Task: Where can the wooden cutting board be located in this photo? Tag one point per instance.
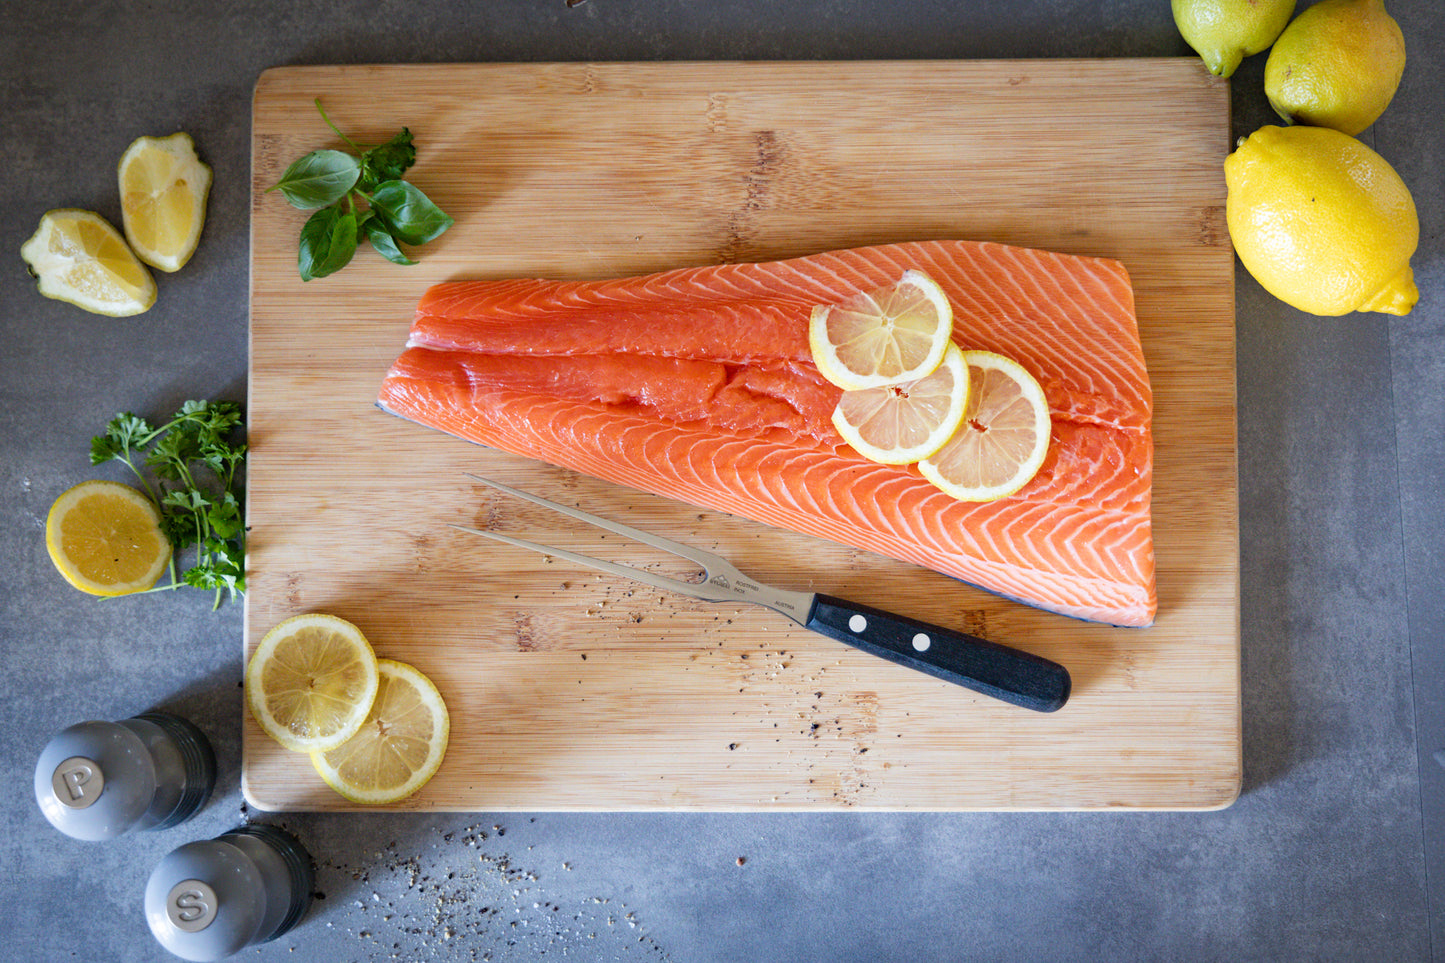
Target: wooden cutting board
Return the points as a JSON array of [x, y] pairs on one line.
[[573, 690]]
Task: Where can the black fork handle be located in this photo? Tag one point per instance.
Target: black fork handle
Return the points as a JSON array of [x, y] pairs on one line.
[[995, 670]]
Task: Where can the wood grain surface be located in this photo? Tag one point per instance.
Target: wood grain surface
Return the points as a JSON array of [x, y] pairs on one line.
[[573, 690]]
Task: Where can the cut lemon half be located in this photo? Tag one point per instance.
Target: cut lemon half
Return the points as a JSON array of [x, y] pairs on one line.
[[78, 257], [896, 333], [1004, 436], [399, 746], [900, 423], [311, 682], [106, 538], [163, 189]]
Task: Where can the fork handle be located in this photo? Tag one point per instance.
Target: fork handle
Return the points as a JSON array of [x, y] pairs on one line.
[[995, 670]]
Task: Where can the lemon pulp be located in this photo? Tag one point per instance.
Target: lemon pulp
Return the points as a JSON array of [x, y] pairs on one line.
[[78, 257], [900, 423], [894, 333], [311, 682], [398, 748], [1004, 437], [163, 191], [105, 538]]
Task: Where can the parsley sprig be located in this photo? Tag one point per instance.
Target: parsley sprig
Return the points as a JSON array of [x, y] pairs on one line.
[[197, 485], [336, 185]]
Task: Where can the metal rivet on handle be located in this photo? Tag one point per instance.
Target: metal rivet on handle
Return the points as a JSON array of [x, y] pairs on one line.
[[857, 623], [921, 642]]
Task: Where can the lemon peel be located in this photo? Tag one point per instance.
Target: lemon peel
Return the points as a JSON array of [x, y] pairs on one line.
[[1224, 32], [1322, 222]]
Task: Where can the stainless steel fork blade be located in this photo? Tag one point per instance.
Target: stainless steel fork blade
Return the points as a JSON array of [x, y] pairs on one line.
[[995, 670], [721, 582]]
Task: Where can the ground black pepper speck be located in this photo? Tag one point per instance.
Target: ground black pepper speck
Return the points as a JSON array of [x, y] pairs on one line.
[[461, 899]]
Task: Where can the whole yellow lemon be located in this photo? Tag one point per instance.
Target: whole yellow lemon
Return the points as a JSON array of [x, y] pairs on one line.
[[1337, 65], [1224, 32], [1322, 222]]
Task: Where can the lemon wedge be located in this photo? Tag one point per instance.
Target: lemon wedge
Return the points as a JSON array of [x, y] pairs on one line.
[[900, 423], [311, 682], [400, 745], [106, 538], [896, 333], [1004, 437], [78, 257], [163, 189]]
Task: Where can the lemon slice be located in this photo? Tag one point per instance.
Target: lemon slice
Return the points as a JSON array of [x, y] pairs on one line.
[[399, 746], [106, 538], [163, 188], [900, 423], [80, 258], [1004, 436], [896, 333], [311, 682]]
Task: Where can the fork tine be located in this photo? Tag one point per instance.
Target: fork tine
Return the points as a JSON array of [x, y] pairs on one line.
[[712, 564], [697, 590]]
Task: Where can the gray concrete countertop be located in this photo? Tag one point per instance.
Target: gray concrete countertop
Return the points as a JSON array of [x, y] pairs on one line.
[[1334, 851]]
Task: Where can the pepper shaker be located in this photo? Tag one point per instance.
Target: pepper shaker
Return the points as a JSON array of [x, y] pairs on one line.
[[97, 780], [207, 900]]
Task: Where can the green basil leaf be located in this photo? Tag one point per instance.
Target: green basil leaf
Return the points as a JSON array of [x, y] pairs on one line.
[[320, 178], [328, 239], [386, 162], [409, 215], [384, 243]]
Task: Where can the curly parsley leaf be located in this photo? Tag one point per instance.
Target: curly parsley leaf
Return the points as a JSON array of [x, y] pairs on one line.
[[387, 162]]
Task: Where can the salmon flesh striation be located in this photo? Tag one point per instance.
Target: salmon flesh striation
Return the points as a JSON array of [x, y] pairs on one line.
[[697, 384]]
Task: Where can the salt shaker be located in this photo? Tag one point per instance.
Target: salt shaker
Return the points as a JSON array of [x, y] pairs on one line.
[[207, 900], [97, 780]]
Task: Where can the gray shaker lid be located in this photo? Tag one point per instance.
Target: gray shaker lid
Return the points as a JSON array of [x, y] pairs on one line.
[[206, 900], [94, 780]]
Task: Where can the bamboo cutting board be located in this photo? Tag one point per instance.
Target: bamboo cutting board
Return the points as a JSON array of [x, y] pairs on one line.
[[573, 690]]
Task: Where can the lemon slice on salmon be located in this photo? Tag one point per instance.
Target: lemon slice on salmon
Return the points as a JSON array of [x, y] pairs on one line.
[[895, 333], [163, 189], [311, 682], [900, 423], [1004, 436], [106, 538], [78, 257], [400, 745]]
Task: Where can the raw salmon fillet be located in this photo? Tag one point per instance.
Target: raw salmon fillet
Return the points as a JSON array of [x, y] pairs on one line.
[[697, 384]]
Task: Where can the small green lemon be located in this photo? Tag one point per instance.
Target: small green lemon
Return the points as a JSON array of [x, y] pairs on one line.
[[1337, 65], [1322, 222], [1224, 32]]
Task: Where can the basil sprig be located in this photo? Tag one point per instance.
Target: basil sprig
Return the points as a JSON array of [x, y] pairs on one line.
[[357, 197]]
